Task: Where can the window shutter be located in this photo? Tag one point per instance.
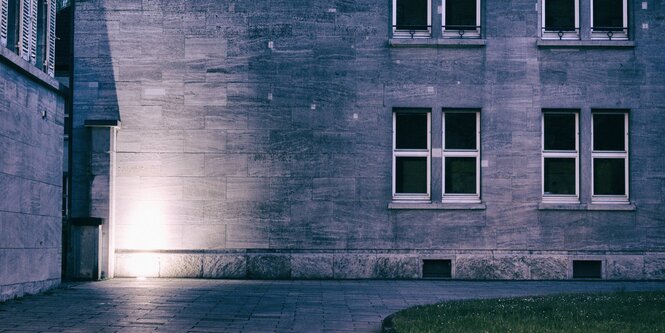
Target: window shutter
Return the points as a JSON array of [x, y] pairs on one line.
[[32, 43], [4, 10], [50, 41], [25, 30]]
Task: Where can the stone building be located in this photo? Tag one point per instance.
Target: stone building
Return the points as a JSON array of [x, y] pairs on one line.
[[32, 107], [471, 139]]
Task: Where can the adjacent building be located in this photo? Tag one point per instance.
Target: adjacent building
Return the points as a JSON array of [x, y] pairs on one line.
[[32, 105], [468, 139]]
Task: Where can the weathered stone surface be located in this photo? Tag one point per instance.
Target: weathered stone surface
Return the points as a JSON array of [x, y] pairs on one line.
[[174, 265], [654, 267], [625, 267], [268, 266], [312, 266], [224, 266], [491, 268], [396, 267], [548, 268], [354, 266]]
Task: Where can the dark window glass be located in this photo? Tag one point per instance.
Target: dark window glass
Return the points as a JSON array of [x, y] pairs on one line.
[[13, 24], [41, 33], [609, 176], [560, 15], [587, 269], [560, 131], [608, 15], [411, 14], [608, 132], [460, 130], [559, 176], [437, 268], [461, 14], [411, 131], [411, 175], [460, 175]]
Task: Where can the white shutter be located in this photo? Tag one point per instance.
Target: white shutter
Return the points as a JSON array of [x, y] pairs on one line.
[[50, 40], [32, 43], [25, 30], [4, 10]]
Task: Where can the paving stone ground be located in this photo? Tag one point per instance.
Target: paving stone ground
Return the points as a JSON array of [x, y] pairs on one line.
[[188, 305]]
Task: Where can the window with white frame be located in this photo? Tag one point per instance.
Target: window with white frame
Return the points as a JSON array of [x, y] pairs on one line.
[[560, 157], [461, 18], [610, 156], [27, 27], [461, 155], [609, 19], [560, 19], [412, 18], [411, 154]]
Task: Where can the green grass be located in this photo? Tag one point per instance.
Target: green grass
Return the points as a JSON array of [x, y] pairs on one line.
[[614, 312]]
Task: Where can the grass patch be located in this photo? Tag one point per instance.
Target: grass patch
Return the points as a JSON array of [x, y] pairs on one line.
[[614, 312]]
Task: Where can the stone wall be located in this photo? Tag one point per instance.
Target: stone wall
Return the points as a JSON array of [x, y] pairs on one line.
[[256, 140], [31, 152]]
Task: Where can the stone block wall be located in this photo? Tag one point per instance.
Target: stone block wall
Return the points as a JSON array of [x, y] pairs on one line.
[[31, 153], [256, 140]]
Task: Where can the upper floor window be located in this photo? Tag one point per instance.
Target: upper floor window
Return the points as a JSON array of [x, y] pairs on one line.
[[461, 18], [560, 157], [561, 19], [411, 154], [461, 155], [609, 19], [610, 156], [412, 18]]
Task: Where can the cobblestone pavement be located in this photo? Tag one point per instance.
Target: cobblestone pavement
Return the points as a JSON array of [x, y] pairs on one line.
[[186, 305]]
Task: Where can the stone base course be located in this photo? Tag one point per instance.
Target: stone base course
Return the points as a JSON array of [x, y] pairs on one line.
[[383, 265], [28, 288]]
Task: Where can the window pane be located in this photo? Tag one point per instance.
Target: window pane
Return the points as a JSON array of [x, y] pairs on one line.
[[411, 175], [559, 176], [607, 15], [608, 176], [411, 131], [560, 15], [460, 14], [608, 132], [559, 132], [461, 175], [411, 14], [460, 131]]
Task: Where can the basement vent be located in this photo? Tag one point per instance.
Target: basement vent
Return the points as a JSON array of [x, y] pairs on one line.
[[437, 269], [587, 269]]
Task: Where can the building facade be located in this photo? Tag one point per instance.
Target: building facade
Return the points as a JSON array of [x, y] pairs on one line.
[[468, 139], [32, 107]]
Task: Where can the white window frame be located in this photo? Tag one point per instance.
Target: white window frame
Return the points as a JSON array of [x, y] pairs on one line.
[[420, 197], [455, 33], [563, 35], [401, 33], [611, 199], [561, 198], [445, 153], [613, 35]]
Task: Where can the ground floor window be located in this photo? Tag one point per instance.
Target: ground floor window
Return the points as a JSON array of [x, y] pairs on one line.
[[411, 154], [560, 155], [610, 156], [461, 155]]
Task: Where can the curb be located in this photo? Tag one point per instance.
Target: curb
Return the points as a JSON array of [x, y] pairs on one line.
[[387, 325]]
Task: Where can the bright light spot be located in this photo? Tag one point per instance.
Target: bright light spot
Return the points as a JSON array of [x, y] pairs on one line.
[[147, 231], [142, 265]]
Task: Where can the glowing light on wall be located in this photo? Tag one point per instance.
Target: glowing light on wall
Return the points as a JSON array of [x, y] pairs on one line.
[[147, 231]]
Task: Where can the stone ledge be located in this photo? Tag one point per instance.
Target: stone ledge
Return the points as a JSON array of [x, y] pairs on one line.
[[31, 71], [437, 206], [554, 43], [436, 42], [628, 207]]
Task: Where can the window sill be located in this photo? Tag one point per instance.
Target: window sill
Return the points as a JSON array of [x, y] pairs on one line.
[[629, 207], [436, 42], [436, 206], [552, 43], [14, 60]]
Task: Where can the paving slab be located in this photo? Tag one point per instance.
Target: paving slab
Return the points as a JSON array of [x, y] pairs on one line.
[[191, 305]]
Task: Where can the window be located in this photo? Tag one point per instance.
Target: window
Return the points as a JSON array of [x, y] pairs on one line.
[[13, 12], [41, 33], [461, 156], [411, 154], [610, 156], [461, 18], [561, 19], [412, 18], [560, 159], [609, 19]]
